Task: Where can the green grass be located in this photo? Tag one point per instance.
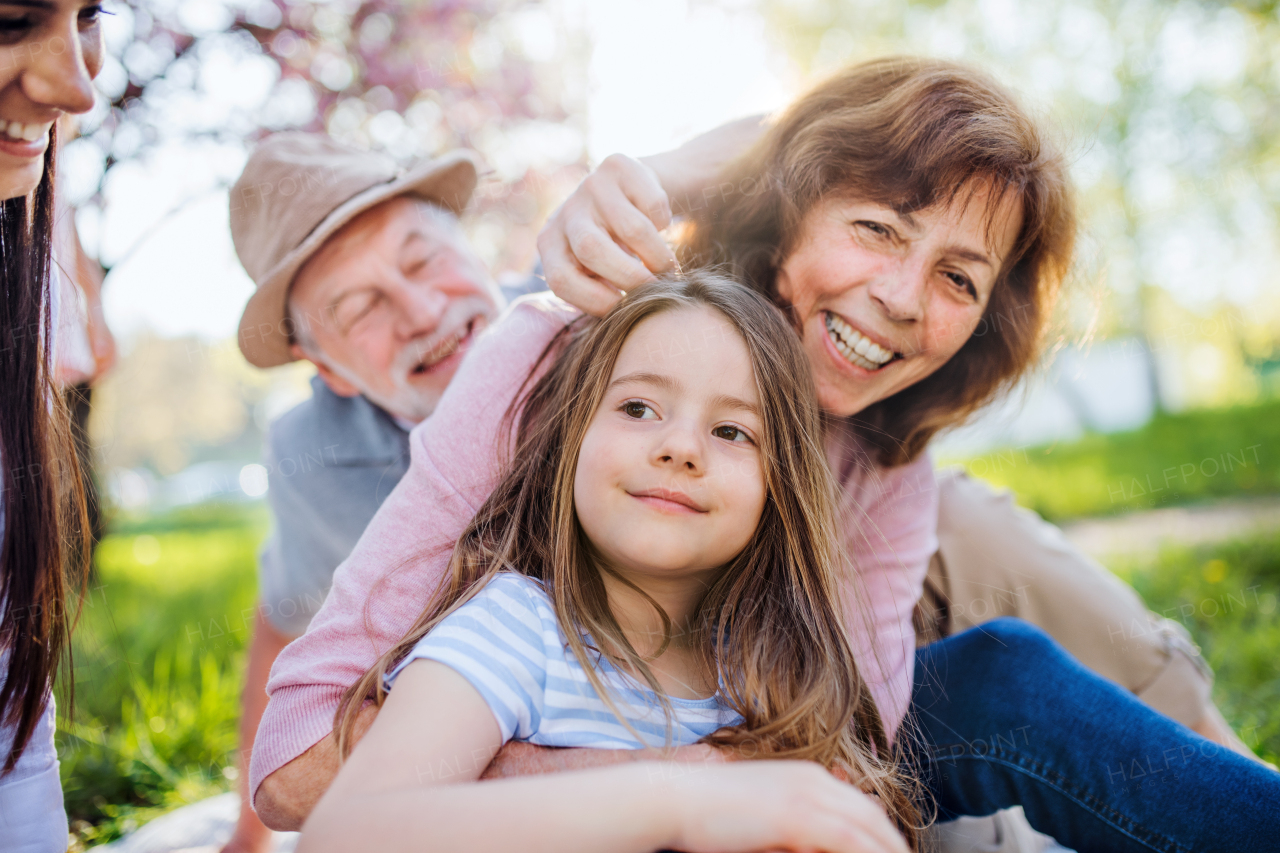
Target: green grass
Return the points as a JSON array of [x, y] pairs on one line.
[[160, 656], [159, 664], [1227, 597], [1175, 459]]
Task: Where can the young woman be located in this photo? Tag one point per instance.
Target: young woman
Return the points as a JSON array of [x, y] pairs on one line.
[[895, 207], [658, 566], [49, 53]]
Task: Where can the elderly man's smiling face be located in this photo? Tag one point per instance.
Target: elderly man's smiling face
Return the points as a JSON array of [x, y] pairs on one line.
[[389, 304]]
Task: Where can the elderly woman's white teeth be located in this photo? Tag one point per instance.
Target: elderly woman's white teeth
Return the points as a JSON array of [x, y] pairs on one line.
[[854, 346]]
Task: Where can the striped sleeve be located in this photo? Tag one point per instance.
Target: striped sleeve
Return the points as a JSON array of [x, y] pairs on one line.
[[496, 642]]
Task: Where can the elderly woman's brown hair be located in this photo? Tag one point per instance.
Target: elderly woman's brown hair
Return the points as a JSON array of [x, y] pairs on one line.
[[910, 134]]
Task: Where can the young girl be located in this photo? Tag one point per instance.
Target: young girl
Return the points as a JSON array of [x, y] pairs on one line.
[[657, 567]]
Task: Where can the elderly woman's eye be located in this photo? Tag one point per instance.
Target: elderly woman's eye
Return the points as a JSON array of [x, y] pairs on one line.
[[876, 228], [963, 283]]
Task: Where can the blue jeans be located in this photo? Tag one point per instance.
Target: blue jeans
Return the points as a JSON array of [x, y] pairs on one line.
[[1005, 716]]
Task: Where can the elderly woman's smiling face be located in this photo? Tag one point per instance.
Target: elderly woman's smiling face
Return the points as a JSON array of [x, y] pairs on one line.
[[885, 299]]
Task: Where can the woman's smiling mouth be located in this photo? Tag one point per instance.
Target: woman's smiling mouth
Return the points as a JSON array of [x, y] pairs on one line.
[[856, 348]]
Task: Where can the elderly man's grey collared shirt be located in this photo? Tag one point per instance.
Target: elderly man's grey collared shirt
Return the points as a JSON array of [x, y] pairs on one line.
[[331, 463]]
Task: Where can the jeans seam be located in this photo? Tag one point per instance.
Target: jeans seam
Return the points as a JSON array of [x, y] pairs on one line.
[[1100, 810]]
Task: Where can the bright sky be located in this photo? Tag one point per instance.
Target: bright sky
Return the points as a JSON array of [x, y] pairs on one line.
[[660, 73]]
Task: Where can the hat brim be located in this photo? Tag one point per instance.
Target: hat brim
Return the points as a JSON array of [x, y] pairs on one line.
[[264, 335]]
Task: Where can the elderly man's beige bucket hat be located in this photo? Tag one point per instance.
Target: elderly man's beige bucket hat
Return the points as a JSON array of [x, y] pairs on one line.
[[295, 192]]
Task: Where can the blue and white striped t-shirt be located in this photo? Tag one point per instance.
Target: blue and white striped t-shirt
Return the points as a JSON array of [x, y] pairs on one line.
[[507, 643]]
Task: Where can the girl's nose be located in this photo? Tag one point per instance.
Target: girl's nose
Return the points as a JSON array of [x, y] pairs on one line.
[[680, 447]]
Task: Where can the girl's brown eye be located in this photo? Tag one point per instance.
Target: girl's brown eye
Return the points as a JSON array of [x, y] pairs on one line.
[[730, 433], [635, 410]]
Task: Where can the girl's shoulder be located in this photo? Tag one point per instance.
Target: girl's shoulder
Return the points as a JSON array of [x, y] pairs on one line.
[[510, 617], [519, 588], [518, 598]]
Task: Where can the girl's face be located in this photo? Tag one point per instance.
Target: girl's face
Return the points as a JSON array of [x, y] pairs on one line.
[[50, 52], [885, 299], [669, 479]]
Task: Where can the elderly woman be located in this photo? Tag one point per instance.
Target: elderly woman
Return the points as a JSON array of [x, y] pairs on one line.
[[890, 210], [993, 559]]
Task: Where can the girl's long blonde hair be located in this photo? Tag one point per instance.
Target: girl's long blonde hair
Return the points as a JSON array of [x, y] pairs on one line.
[[770, 627]]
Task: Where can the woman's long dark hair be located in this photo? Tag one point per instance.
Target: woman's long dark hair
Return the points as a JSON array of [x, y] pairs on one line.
[[44, 550]]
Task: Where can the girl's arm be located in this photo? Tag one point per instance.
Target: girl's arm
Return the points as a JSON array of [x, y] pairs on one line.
[[410, 785]]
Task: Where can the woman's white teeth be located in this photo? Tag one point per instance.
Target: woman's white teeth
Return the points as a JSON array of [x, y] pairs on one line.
[[855, 346], [25, 132]]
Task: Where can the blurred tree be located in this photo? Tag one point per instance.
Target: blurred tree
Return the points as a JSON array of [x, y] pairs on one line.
[[1175, 143], [410, 78], [175, 401], [189, 85]]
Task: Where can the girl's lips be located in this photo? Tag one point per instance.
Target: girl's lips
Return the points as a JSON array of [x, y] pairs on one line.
[[664, 500]]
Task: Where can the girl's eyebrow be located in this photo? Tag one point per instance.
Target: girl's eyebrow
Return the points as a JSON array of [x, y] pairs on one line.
[[667, 383], [640, 377], [728, 401]]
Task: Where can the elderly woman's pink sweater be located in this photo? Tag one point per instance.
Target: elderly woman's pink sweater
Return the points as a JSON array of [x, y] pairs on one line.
[[889, 515]]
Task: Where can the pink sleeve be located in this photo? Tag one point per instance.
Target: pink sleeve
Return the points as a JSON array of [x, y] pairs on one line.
[[890, 518], [386, 582]]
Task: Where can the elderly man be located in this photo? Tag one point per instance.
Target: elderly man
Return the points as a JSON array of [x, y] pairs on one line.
[[363, 271]]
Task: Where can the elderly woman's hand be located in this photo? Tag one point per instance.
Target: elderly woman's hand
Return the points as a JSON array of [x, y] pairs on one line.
[[605, 238]]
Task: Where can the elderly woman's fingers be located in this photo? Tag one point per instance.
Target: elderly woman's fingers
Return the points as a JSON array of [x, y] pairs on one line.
[[569, 281], [606, 236], [644, 210], [634, 231], [599, 254]]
